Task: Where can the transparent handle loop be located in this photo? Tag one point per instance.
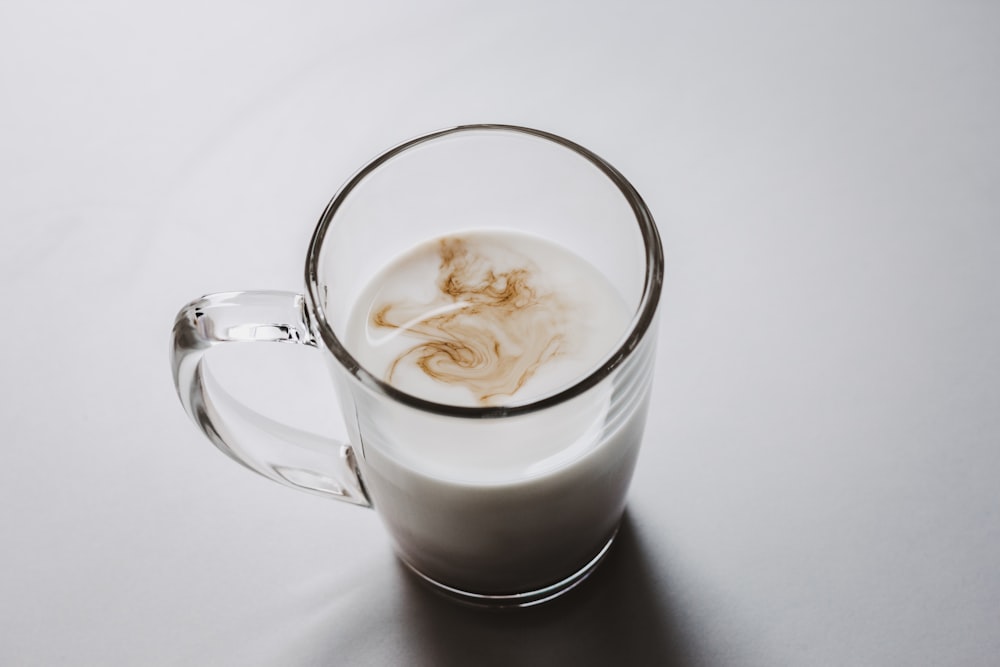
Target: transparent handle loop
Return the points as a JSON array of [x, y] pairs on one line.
[[282, 453]]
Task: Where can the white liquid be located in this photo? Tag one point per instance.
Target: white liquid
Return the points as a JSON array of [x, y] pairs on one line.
[[522, 318], [509, 504]]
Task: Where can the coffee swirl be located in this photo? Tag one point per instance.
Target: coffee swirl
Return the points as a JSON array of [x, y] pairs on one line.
[[489, 328]]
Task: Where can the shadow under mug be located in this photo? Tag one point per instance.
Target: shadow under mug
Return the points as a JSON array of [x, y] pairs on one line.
[[488, 534]]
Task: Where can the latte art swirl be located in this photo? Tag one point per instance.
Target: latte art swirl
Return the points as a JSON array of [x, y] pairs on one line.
[[485, 318], [488, 329]]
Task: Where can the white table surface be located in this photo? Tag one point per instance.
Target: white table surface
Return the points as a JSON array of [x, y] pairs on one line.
[[820, 479]]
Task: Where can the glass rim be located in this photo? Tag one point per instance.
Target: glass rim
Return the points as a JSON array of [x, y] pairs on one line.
[[638, 326]]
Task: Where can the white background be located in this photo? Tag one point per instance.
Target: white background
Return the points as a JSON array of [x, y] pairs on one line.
[[820, 481]]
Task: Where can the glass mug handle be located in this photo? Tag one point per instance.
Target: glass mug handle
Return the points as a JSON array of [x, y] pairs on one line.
[[282, 453]]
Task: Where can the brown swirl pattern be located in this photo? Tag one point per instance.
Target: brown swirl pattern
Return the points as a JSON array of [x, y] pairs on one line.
[[489, 328]]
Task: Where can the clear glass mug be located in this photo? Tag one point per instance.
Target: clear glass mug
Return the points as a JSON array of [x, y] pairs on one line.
[[475, 524]]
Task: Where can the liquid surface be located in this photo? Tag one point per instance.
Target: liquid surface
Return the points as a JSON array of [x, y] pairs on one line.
[[485, 318]]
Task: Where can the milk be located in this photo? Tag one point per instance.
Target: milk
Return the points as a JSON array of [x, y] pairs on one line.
[[489, 318], [486, 318]]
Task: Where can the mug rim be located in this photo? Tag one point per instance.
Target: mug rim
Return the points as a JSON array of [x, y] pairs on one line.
[[638, 326]]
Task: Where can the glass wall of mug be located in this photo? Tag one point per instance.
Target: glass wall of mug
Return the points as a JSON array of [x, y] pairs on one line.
[[510, 495]]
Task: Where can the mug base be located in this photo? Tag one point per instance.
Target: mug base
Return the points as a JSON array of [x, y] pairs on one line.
[[515, 600]]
